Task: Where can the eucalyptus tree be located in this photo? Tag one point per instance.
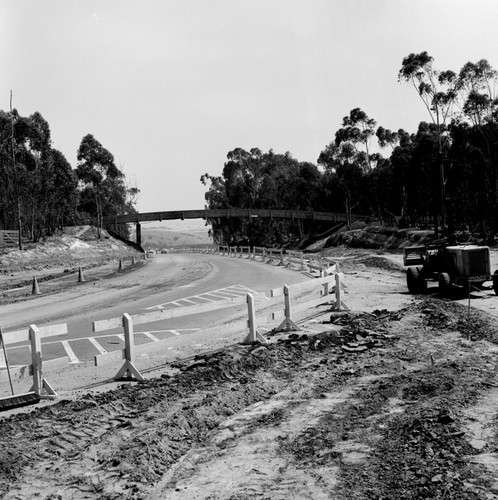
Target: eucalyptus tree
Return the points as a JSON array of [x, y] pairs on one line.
[[438, 91], [101, 180], [25, 142], [351, 160], [357, 130], [348, 168], [256, 180], [477, 84]]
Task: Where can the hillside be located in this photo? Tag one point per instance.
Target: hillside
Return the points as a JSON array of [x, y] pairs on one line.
[[174, 234], [61, 254]]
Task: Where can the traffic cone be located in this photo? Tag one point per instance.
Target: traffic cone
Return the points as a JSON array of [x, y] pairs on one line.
[[120, 268], [35, 290], [81, 279]]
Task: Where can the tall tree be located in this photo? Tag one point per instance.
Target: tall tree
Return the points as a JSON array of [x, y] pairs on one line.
[[253, 179], [348, 169], [357, 130], [101, 179], [438, 92]]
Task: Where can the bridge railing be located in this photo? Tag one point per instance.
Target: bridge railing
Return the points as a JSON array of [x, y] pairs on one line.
[[227, 213]]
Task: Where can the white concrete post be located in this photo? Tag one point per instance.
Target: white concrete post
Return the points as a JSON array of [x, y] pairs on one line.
[[36, 359], [129, 364], [39, 383], [287, 323], [254, 335], [337, 292]]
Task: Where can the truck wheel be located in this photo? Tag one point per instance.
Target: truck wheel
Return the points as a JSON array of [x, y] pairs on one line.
[[444, 283], [495, 282], [414, 281]]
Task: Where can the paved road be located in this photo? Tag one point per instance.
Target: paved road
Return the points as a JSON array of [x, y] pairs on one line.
[[167, 281]]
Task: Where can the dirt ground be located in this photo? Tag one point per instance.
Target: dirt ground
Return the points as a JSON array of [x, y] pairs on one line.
[[394, 399]]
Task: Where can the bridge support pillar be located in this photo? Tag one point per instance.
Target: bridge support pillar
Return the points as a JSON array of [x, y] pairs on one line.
[[138, 233]]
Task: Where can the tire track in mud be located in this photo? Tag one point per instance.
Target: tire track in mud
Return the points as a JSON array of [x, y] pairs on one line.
[[132, 435], [299, 418]]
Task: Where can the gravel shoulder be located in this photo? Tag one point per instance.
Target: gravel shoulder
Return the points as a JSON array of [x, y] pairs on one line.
[[395, 398]]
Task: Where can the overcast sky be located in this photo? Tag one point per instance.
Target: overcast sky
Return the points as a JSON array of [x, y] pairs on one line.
[[170, 86]]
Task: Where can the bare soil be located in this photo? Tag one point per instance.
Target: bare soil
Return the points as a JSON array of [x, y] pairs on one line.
[[394, 399]]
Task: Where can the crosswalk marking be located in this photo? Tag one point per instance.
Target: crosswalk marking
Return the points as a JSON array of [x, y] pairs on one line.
[[189, 301], [150, 336], [73, 358], [69, 351], [206, 298], [97, 346], [220, 294], [224, 295]]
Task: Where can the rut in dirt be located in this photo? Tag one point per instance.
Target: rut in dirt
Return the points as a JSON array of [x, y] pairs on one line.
[[400, 431]]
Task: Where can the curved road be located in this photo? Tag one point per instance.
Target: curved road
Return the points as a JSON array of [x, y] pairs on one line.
[[172, 280]]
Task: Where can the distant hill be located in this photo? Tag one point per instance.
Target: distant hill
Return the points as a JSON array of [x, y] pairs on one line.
[[174, 234]]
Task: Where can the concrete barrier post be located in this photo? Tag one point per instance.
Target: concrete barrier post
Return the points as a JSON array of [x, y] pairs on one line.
[[303, 266], [129, 370], [339, 304], [337, 292], [40, 386], [287, 324], [254, 335], [35, 290], [36, 358]]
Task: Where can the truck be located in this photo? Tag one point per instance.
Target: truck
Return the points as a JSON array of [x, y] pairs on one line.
[[464, 265]]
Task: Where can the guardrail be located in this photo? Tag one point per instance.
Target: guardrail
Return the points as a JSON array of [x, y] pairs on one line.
[[41, 387], [279, 309], [304, 262]]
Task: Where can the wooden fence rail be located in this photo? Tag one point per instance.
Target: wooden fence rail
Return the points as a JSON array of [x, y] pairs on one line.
[[259, 310], [247, 314], [9, 238]]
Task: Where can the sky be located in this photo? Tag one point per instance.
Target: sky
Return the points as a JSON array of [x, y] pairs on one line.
[[169, 87]]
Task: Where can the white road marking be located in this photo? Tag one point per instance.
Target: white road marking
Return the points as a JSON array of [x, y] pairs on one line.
[[66, 344], [226, 295], [189, 301], [97, 345], [150, 336], [220, 294], [69, 351], [203, 297], [177, 330]]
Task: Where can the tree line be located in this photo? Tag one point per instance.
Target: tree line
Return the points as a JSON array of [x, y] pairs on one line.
[[444, 175], [39, 190]]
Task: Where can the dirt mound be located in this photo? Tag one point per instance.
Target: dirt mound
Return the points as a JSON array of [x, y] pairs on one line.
[[77, 245], [379, 237]]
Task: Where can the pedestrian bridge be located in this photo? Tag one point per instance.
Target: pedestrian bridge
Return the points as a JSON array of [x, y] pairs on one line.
[[227, 213]]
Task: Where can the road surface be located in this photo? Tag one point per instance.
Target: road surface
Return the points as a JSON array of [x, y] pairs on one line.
[[173, 280]]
